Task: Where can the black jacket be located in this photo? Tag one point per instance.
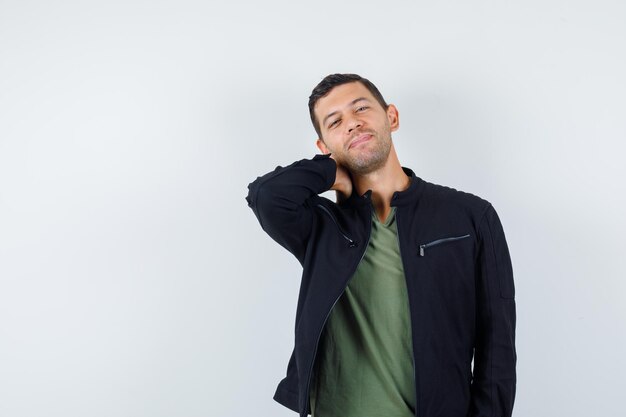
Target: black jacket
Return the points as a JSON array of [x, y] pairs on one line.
[[458, 275]]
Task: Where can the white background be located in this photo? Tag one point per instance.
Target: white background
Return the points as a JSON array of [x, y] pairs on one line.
[[134, 279]]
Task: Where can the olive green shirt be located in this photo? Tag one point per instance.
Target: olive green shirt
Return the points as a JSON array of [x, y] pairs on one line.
[[364, 364]]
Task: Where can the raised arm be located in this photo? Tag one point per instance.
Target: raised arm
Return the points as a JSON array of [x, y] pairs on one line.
[[494, 379], [279, 200]]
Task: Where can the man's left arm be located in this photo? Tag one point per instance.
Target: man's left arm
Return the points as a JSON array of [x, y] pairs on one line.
[[494, 376]]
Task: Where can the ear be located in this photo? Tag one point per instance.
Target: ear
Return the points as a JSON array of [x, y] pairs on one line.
[[394, 117], [321, 146]]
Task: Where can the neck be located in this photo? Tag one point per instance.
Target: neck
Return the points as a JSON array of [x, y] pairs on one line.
[[383, 183]]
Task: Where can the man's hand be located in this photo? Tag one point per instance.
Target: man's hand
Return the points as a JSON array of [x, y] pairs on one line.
[[343, 182]]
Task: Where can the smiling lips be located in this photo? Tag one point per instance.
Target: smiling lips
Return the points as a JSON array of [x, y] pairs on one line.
[[360, 139]]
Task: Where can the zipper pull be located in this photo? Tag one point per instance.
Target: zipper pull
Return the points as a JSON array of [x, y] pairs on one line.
[[422, 250]]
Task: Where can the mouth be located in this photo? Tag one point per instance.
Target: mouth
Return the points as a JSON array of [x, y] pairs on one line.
[[360, 139]]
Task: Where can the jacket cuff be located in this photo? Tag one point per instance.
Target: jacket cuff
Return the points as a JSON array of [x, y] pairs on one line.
[[329, 167]]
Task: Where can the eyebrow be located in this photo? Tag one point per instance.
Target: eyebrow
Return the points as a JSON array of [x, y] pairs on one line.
[[353, 102]]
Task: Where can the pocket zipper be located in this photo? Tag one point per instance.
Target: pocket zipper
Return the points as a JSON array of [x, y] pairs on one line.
[[345, 236], [439, 241]]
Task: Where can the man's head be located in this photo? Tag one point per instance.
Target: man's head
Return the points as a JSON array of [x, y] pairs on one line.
[[353, 122], [333, 80]]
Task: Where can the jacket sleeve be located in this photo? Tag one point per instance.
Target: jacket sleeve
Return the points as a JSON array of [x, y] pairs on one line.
[[494, 376], [279, 200]]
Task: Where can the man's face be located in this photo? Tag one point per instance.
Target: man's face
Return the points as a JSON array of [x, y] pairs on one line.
[[355, 128]]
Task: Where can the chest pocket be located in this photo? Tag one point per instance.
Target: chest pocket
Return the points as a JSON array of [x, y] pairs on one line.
[[449, 260], [443, 241]]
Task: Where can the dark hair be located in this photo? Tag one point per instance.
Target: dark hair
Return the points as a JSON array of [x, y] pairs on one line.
[[333, 80]]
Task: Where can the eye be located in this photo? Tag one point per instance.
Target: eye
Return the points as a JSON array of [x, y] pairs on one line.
[[362, 108], [334, 123]]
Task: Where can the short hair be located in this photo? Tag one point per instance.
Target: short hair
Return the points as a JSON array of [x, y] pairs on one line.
[[333, 80]]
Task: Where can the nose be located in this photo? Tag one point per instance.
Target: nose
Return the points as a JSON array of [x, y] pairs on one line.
[[353, 123]]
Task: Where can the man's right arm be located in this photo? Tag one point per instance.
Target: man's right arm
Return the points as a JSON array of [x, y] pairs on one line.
[[279, 200]]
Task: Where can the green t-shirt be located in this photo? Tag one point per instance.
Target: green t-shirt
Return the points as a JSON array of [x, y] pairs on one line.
[[364, 364]]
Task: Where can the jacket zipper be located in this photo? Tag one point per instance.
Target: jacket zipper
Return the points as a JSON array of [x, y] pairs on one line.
[[345, 236], [352, 244], [440, 241], [410, 316]]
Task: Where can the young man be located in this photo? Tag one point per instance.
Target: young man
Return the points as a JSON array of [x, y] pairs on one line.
[[404, 282]]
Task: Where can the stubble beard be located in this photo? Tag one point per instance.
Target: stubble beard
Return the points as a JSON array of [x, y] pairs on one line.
[[372, 158]]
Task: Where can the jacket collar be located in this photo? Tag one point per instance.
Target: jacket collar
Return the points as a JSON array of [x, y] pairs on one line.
[[399, 198]]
